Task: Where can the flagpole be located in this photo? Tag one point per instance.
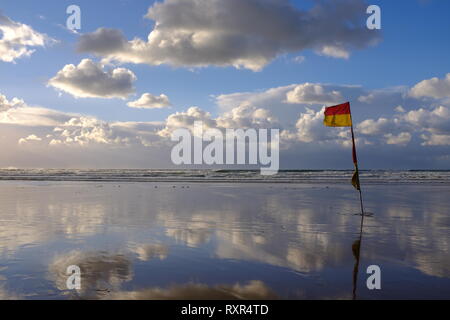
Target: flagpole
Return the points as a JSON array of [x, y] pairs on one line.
[[355, 161], [341, 116], [358, 253]]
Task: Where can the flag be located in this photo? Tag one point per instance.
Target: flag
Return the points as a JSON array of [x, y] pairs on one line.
[[341, 116], [338, 116], [355, 180]]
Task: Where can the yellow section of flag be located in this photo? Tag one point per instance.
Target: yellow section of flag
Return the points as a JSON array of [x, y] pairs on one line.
[[338, 120]]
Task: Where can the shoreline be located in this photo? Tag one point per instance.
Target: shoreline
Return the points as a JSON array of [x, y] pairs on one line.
[[231, 181]]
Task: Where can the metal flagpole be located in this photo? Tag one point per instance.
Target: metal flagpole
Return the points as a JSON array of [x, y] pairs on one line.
[[357, 245], [355, 162]]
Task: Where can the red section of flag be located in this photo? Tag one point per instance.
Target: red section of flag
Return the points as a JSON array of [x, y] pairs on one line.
[[339, 109]]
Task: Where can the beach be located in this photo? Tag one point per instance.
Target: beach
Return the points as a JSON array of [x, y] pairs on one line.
[[222, 240]]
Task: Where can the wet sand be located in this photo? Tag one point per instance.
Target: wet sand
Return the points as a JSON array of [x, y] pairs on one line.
[[221, 241]]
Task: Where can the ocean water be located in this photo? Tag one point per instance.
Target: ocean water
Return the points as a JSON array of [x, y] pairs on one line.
[[285, 176]]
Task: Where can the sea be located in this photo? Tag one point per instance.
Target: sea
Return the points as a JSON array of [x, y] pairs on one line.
[[241, 176]]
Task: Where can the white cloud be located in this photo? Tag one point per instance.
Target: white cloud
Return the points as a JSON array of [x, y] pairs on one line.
[[31, 137], [55, 142], [436, 139], [17, 112], [299, 59], [310, 126], [311, 93], [374, 127], [435, 123], [90, 80], [431, 125], [335, 52], [86, 131], [394, 126], [17, 39], [6, 105], [434, 88], [367, 99], [276, 102], [400, 109], [186, 120], [421, 131], [149, 101], [196, 33], [436, 120], [401, 139], [247, 116], [68, 129]]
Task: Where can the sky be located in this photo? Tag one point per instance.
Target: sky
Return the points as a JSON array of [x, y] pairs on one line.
[[110, 94]]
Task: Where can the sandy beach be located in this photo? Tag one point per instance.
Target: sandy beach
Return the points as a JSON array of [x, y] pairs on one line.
[[142, 240]]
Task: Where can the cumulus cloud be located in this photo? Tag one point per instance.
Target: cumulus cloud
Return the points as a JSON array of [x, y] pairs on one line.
[[299, 59], [247, 116], [433, 139], [400, 109], [431, 125], [31, 137], [334, 51], [243, 116], [434, 88], [6, 105], [401, 139], [311, 93], [86, 131], [69, 129], [379, 119], [308, 125], [275, 100], [435, 124], [102, 42], [90, 80], [196, 33], [310, 128], [17, 39], [436, 120], [149, 101], [379, 122], [17, 112], [374, 127], [186, 120]]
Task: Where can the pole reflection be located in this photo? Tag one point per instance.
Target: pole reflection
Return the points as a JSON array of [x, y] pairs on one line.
[[356, 249]]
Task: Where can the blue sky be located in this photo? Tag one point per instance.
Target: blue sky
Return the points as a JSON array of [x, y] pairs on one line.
[[414, 46]]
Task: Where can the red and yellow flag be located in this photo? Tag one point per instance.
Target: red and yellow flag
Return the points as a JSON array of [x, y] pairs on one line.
[[338, 116], [341, 116]]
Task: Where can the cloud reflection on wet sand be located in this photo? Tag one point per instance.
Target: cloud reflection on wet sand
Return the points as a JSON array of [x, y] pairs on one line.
[[170, 242]]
